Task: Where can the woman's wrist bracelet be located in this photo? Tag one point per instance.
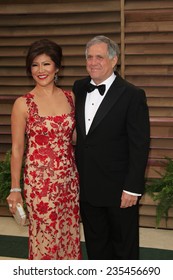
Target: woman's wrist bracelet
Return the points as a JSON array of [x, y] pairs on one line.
[[15, 190]]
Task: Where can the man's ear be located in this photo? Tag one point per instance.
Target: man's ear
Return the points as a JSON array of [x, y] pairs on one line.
[[114, 61]]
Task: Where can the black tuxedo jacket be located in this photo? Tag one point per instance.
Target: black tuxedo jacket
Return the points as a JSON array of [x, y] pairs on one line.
[[113, 155]]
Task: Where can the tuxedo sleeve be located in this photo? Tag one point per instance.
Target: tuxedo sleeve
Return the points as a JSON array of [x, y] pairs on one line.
[[138, 129]]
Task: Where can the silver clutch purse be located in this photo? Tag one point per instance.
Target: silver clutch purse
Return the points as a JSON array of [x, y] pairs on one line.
[[20, 215]]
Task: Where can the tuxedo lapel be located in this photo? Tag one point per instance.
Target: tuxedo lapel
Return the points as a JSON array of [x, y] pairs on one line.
[[108, 102]]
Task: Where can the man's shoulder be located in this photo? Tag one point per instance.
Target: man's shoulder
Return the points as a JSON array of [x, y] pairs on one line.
[[80, 85], [131, 87], [82, 81]]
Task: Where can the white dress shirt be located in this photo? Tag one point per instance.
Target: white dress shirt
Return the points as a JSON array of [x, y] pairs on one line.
[[92, 103]]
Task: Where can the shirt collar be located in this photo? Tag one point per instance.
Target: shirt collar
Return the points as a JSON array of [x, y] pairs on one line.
[[107, 82]]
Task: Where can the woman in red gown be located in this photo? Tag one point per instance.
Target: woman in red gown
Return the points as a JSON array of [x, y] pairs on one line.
[[51, 186]]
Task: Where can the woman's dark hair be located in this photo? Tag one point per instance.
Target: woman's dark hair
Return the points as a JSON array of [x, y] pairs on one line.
[[43, 46]]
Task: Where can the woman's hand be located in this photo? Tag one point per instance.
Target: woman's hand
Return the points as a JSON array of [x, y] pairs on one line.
[[13, 199]]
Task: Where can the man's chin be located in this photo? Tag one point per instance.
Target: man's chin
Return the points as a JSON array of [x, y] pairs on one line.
[[94, 76]]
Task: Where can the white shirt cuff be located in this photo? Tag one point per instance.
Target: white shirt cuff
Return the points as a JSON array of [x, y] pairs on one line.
[[138, 194]]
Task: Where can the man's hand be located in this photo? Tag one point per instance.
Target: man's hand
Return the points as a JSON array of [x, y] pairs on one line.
[[128, 200]]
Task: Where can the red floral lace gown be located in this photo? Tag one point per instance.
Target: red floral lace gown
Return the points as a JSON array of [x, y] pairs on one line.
[[51, 186]]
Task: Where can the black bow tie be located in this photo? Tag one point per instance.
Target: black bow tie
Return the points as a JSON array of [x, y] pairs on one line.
[[101, 88]]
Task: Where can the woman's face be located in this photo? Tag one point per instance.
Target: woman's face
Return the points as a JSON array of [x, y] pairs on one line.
[[43, 70]]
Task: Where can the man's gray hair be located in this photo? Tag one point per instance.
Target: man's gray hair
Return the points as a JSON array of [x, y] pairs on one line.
[[113, 48]]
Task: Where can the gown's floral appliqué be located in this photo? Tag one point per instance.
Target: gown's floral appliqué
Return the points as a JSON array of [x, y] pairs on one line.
[[51, 185]]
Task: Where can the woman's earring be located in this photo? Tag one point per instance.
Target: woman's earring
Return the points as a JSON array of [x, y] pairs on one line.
[[56, 78]]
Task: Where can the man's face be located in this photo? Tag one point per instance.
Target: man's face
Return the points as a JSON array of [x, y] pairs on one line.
[[98, 64]]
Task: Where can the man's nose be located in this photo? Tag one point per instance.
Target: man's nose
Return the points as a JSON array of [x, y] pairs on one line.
[[93, 61]]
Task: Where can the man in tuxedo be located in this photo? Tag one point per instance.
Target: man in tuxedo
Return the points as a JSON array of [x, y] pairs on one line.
[[113, 136]]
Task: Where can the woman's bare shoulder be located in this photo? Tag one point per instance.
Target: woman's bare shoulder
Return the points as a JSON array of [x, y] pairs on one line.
[[20, 104]]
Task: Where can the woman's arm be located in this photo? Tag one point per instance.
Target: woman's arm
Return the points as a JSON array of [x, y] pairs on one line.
[[18, 125]]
